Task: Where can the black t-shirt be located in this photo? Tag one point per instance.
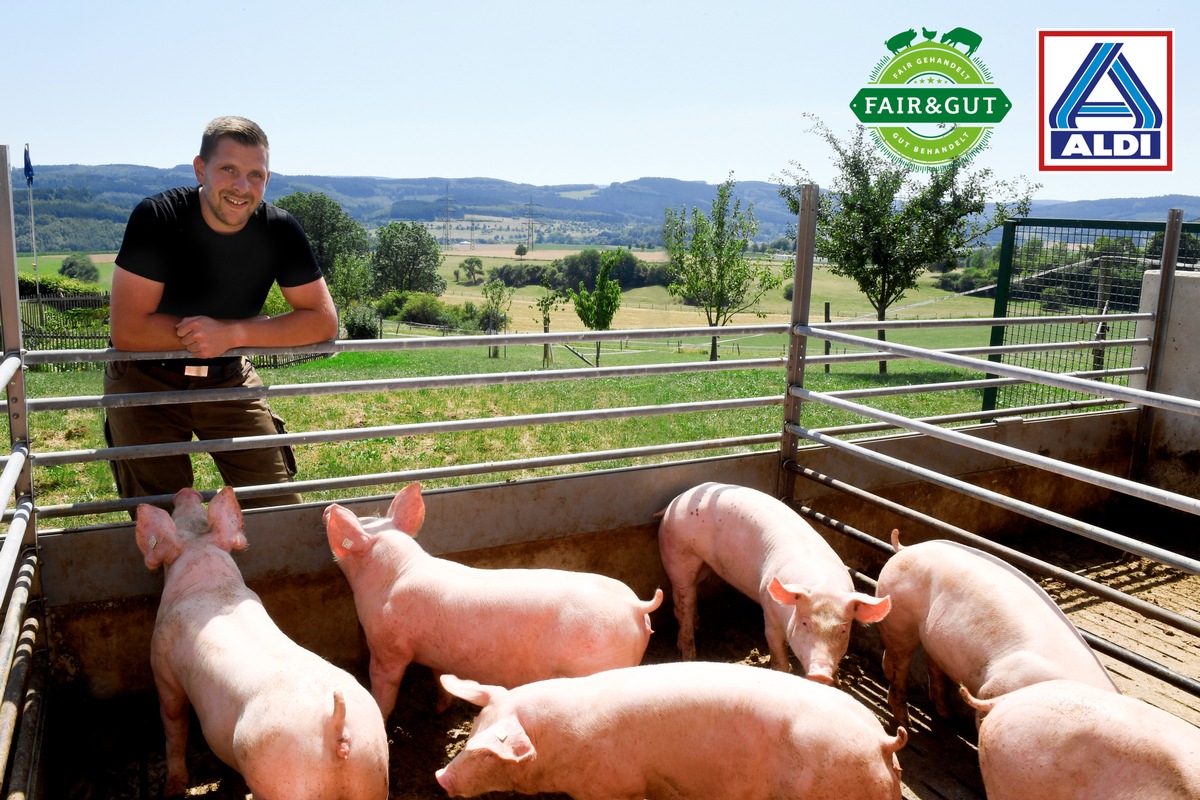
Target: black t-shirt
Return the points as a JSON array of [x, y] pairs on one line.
[[219, 275]]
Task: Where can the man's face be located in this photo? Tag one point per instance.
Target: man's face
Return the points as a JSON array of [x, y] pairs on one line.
[[232, 184]]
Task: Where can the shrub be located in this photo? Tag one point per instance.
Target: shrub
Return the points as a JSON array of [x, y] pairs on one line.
[[390, 303], [422, 308], [361, 322]]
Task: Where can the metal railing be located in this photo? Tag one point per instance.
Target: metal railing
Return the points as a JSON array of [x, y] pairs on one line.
[[18, 562]]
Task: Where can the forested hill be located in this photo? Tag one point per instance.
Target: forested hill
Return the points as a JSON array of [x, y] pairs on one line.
[[84, 208]]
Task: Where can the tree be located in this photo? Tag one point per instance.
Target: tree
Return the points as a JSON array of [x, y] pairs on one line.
[[521, 250], [407, 259], [882, 227], [473, 266], [498, 299], [550, 300], [350, 281], [333, 234], [709, 260], [596, 309], [81, 268]]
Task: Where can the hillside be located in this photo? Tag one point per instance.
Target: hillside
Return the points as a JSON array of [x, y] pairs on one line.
[[84, 208]]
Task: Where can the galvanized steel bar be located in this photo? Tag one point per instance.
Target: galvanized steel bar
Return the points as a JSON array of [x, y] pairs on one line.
[[1129, 395], [11, 635], [806, 246], [335, 346], [25, 771], [966, 322], [1062, 521], [9, 368], [14, 540], [1179, 681], [970, 416], [1102, 479], [11, 476], [412, 429], [956, 386], [392, 384], [1011, 555], [433, 473], [10, 326]]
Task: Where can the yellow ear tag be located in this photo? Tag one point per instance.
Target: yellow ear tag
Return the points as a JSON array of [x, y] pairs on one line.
[[347, 544]]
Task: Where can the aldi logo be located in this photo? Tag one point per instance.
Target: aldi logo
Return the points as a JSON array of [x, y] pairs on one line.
[[1105, 100]]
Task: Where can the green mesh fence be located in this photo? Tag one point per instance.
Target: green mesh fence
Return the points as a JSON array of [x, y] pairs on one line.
[[1052, 267]]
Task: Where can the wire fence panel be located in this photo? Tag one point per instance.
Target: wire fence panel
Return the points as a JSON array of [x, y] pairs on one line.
[[1055, 267]]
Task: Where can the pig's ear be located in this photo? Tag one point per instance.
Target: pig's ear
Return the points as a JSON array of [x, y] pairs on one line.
[[344, 531], [507, 739], [870, 609], [225, 520], [407, 511], [156, 536], [790, 594], [471, 691]]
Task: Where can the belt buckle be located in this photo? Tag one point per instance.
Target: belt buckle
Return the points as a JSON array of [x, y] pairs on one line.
[[196, 370]]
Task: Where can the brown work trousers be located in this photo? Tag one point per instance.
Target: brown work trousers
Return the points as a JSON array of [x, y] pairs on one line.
[[178, 422]]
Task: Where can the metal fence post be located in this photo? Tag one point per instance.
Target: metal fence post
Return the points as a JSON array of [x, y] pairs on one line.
[[806, 239]]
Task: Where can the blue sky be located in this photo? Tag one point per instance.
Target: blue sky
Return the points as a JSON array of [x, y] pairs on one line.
[[528, 91]]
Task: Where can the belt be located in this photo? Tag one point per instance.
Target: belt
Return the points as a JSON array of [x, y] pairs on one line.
[[222, 368]]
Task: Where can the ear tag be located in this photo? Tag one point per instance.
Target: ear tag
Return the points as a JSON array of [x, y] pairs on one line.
[[153, 542], [502, 736], [347, 544]]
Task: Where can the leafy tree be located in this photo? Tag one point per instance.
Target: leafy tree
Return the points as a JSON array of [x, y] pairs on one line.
[[407, 258], [333, 234], [79, 267], [351, 281], [473, 266], [498, 299], [550, 300], [710, 263], [882, 227], [521, 250], [596, 309]]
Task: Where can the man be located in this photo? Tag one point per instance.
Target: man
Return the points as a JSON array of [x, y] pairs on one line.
[[193, 271]]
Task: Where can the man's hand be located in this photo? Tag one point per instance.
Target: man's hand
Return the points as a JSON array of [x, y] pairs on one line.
[[205, 337]]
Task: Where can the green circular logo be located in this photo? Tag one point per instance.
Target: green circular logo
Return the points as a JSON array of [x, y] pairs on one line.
[[930, 103]]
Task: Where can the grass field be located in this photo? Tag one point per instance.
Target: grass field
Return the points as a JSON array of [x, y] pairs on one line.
[[649, 307]]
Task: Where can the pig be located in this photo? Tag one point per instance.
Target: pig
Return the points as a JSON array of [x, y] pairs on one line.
[[684, 729], [501, 626], [769, 553], [294, 725], [900, 40], [981, 622], [1062, 739]]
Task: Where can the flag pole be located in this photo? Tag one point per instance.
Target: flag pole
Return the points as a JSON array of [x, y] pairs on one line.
[[37, 285]]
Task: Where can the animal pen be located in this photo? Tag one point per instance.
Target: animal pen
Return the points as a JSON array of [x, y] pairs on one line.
[[1089, 486]]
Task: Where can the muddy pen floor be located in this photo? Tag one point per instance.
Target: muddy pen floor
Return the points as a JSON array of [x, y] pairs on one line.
[[102, 751]]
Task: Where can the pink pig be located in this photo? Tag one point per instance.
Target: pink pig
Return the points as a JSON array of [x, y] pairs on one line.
[[981, 622], [1062, 739], [769, 553], [686, 729], [291, 723], [504, 626]]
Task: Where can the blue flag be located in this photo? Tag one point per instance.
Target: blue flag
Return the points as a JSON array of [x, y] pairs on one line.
[[28, 167]]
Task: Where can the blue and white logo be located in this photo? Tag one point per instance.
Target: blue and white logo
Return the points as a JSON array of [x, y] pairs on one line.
[[1106, 100]]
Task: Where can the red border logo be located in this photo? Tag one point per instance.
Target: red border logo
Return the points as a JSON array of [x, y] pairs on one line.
[[1106, 100]]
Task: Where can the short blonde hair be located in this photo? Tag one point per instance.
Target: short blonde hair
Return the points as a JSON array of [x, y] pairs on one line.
[[239, 129]]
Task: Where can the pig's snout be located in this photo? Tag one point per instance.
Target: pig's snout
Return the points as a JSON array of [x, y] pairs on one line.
[[820, 675], [445, 781]]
